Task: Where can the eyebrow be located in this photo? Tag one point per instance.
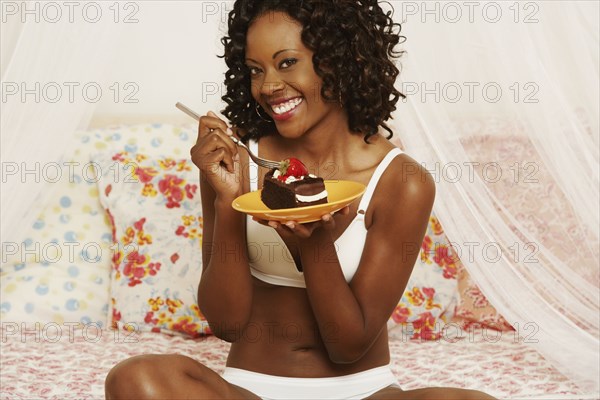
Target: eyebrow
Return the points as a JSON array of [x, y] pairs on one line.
[[274, 55]]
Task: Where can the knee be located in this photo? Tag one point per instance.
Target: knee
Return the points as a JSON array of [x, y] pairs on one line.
[[473, 395], [446, 393], [136, 377]]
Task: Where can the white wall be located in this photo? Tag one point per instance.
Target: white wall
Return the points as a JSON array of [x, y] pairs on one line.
[[169, 55]]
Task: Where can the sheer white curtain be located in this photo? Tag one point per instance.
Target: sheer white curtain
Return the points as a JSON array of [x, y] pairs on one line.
[[519, 84], [51, 69], [503, 110]]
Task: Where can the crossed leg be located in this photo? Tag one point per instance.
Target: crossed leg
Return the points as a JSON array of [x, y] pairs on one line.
[[180, 377], [440, 393], [168, 377]]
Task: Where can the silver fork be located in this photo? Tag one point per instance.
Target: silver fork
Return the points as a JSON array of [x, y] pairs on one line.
[[269, 164]]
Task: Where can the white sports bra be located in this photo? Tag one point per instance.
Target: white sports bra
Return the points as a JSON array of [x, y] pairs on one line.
[[271, 261]]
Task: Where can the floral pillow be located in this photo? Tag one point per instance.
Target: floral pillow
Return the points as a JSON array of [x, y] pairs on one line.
[[154, 208], [430, 297], [474, 311], [155, 212]]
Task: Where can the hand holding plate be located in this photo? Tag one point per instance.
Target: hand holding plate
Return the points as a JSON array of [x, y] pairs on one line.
[[304, 230]]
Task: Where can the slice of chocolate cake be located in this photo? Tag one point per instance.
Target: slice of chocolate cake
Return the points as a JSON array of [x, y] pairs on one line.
[[292, 186], [306, 191]]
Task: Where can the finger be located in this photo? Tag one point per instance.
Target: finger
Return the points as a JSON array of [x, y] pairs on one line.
[[213, 161], [219, 139], [282, 227], [227, 129], [210, 122], [261, 221], [214, 141], [342, 211], [225, 158], [209, 148], [274, 224], [213, 121], [297, 229], [328, 222], [291, 225]]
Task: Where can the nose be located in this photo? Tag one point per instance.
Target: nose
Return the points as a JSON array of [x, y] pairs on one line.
[[271, 84]]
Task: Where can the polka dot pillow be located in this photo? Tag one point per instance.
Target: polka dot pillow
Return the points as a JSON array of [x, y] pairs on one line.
[[61, 272], [155, 212]]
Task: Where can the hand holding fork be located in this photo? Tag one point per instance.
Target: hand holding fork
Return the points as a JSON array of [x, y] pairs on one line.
[[258, 160]]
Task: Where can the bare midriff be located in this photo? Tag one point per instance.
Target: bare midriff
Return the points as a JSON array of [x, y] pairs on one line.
[[282, 338]]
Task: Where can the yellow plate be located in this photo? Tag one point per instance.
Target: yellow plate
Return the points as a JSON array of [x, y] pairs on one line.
[[339, 193]]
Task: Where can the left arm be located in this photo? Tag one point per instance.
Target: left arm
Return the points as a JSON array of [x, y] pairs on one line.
[[361, 308]]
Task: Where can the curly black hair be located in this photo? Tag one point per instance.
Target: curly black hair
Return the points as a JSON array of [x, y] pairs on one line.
[[335, 31]]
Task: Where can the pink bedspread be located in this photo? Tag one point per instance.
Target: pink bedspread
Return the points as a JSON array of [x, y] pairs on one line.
[[75, 365]]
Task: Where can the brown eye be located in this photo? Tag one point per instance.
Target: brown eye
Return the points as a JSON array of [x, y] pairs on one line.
[[254, 71], [288, 62]]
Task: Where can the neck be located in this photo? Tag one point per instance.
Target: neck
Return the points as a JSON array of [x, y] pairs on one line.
[[327, 141]]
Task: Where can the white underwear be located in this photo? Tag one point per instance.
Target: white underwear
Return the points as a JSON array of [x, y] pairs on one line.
[[271, 387]]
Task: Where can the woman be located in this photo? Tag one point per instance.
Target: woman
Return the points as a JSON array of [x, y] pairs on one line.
[[306, 309]]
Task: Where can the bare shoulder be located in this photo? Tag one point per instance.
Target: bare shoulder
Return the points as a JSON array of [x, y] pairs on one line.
[[402, 203], [407, 182], [407, 177], [404, 177]]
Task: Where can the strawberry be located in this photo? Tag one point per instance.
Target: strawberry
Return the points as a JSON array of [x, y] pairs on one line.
[[291, 167]]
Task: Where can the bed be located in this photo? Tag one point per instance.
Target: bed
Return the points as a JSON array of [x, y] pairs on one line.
[[74, 367], [96, 280]]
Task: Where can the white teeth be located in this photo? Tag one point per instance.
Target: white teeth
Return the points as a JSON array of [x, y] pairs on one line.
[[287, 106]]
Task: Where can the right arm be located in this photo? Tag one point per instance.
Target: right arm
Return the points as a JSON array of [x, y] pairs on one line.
[[225, 289]]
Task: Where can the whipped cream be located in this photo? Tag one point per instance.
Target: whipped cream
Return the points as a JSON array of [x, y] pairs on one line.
[[291, 179], [314, 197]]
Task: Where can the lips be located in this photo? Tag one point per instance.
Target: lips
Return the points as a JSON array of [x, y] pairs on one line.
[[284, 109]]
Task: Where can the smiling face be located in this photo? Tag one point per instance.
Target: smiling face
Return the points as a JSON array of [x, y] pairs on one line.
[[283, 78]]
